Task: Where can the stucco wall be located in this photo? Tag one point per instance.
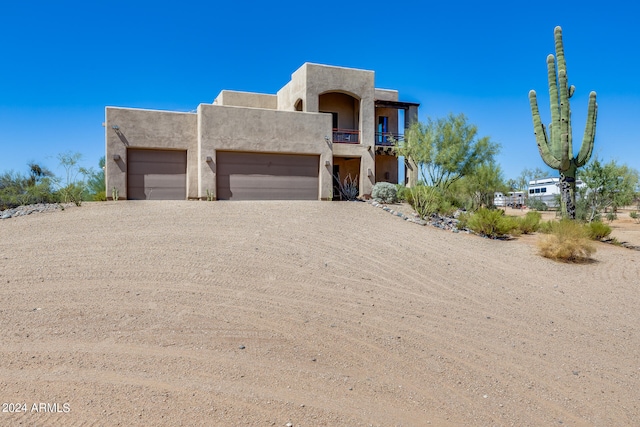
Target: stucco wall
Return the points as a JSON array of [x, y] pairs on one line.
[[246, 99], [294, 90], [386, 94], [138, 128], [387, 165], [322, 79], [257, 130], [392, 124], [347, 107]]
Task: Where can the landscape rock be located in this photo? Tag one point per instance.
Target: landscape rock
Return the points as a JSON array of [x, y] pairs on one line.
[[29, 209]]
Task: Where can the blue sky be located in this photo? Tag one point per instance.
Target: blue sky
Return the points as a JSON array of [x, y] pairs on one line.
[[64, 61]]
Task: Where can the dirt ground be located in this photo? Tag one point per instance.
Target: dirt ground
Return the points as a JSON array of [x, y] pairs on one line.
[[307, 313]]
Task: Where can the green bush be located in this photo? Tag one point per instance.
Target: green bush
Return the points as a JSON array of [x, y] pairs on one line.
[[537, 204], [100, 196], [446, 208], [597, 230], [17, 189], [403, 194], [492, 223], [546, 227], [529, 223], [634, 215], [72, 193], [427, 201], [384, 192], [567, 241]]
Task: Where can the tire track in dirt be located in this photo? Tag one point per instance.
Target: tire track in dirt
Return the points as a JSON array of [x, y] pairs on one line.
[[338, 283]]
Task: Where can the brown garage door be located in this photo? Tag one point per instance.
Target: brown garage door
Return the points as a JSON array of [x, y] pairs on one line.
[[156, 175], [259, 176]]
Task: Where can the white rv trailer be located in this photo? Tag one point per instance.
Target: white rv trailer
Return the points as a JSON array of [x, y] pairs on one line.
[[548, 190], [512, 198]]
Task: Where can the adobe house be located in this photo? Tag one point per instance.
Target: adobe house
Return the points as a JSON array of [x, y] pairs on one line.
[[326, 122]]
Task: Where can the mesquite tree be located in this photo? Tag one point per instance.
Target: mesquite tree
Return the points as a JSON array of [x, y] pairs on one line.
[[556, 148]]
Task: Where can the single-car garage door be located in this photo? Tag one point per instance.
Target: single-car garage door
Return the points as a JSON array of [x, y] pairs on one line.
[[156, 175], [260, 176]]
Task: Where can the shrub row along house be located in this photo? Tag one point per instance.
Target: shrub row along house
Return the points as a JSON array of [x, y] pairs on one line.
[[327, 122]]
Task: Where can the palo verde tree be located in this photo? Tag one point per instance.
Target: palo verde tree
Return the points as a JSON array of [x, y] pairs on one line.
[[556, 148], [607, 186], [446, 149]]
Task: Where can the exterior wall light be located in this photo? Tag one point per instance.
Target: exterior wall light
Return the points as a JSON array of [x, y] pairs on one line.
[[116, 157], [115, 127], [209, 159]]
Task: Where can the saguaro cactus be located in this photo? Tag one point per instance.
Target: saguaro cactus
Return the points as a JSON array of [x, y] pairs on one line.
[[556, 148]]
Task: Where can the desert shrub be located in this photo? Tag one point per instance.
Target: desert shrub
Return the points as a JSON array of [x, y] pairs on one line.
[[611, 216], [492, 223], [425, 200], [72, 193], [463, 220], [597, 230], [529, 223], [17, 189], [402, 193], [100, 196], [446, 208], [546, 227], [348, 188], [567, 241], [634, 215], [384, 192], [537, 204]]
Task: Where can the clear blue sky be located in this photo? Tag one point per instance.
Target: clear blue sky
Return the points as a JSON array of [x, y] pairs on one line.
[[64, 61]]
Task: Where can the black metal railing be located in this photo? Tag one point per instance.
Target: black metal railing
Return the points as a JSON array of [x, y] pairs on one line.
[[388, 139], [346, 136]]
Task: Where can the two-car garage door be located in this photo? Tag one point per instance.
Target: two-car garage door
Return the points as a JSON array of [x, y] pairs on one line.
[[267, 176]]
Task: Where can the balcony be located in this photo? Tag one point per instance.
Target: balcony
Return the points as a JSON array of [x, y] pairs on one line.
[[346, 136], [386, 139]]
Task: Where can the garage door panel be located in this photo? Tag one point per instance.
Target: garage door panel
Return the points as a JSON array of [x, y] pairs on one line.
[[265, 182], [165, 168], [156, 174], [259, 176], [268, 170]]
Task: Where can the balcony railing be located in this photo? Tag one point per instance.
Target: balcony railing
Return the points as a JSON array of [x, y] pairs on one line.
[[387, 139], [346, 136]]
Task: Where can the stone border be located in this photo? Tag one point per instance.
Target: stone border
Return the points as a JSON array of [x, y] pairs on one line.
[[29, 209], [444, 223]]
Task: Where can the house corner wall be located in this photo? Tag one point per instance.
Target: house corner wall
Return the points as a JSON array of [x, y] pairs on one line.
[[128, 128]]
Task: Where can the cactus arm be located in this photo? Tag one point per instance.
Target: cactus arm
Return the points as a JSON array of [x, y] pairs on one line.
[[566, 152], [554, 127], [589, 132], [541, 134], [562, 63]]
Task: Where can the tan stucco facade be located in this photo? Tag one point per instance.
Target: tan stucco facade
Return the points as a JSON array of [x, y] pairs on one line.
[[325, 111]]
